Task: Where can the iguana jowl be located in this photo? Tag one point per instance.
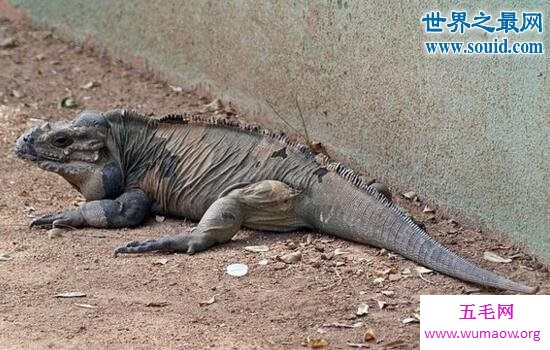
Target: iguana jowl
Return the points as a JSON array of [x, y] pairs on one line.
[[227, 176]]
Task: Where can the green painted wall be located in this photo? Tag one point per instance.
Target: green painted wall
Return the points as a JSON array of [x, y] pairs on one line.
[[470, 132]]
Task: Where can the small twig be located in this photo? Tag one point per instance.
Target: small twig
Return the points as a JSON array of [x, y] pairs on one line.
[[308, 141], [281, 118], [339, 325], [424, 279]]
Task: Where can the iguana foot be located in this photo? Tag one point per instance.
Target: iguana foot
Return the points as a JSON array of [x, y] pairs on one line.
[[189, 244], [68, 218]]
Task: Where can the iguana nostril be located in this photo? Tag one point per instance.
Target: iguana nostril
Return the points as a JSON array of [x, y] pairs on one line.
[[28, 138]]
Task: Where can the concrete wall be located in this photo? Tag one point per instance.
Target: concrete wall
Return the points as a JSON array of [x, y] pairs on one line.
[[470, 132]]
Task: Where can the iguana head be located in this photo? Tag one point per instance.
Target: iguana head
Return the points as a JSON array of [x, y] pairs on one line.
[[77, 151]]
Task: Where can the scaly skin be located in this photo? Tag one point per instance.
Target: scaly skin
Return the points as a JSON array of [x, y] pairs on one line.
[[129, 167]]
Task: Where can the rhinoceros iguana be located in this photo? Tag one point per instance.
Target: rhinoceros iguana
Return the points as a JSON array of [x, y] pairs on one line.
[[225, 176]]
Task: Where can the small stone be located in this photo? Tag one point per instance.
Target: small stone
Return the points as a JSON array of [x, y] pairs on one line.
[[378, 280], [159, 218], [18, 93], [316, 263], [328, 256], [279, 266], [8, 43], [410, 195], [176, 88], [394, 277], [362, 309], [292, 258]]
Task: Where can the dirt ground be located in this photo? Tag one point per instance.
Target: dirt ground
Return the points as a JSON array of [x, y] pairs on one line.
[[145, 302]]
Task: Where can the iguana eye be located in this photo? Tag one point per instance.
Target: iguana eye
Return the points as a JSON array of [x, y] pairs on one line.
[[62, 141]]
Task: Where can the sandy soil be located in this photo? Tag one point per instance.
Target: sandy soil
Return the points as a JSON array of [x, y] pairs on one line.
[[274, 306]]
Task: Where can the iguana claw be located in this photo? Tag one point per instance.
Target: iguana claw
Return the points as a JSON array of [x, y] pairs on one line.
[[189, 244]]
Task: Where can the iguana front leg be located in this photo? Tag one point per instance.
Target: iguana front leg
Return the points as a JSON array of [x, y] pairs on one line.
[[219, 224], [265, 205], [129, 209]]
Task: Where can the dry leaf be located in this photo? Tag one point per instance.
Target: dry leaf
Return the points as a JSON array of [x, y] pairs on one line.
[[68, 102], [362, 309], [257, 248], [495, 258], [70, 295], [156, 303], [369, 335], [339, 251], [409, 320], [176, 88], [344, 325], [89, 85], [428, 210], [316, 343], [162, 261], [208, 302], [422, 270], [215, 105]]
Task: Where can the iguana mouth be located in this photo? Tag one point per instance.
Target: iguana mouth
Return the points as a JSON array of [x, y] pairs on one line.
[[26, 152]]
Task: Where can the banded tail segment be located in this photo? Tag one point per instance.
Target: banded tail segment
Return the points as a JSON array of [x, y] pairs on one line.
[[359, 213]]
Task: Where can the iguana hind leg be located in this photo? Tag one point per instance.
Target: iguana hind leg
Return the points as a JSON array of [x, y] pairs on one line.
[[264, 205]]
